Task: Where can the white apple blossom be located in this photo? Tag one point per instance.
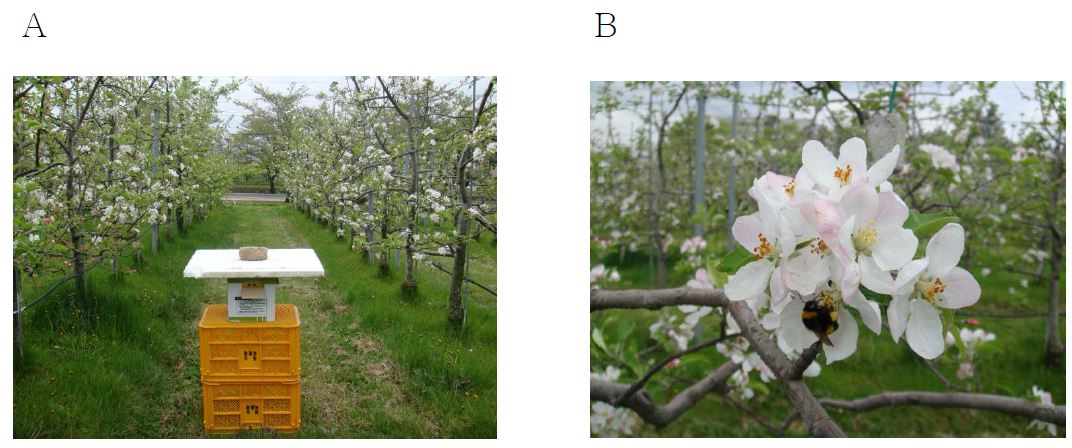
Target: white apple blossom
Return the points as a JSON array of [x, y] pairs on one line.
[[832, 174], [962, 136], [972, 339], [835, 227], [678, 334], [940, 157], [922, 286], [1019, 154]]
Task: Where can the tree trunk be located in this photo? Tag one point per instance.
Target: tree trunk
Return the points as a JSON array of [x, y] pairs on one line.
[[18, 315], [456, 309], [1055, 350], [271, 184], [385, 266], [155, 151], [370, 233], [660, 251], [112, 147], [179, 224], [409, 285], [78, 259]]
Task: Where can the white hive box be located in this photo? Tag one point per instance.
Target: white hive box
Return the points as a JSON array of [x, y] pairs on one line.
[[251, 284]]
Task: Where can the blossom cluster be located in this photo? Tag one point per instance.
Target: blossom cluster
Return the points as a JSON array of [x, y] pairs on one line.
[[693, 249], [607, 420], [970, 341], [600, 273], [833, 230]]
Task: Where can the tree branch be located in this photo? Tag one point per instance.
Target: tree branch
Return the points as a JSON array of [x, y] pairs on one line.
[[474, 282], [984, 402], [654, 299], [818, 422], [948, 384], [660, 416], [755, 415], [392, 99], [805, 360], [638, 384]]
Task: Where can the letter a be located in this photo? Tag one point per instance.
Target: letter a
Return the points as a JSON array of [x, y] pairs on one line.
[[34, 24]]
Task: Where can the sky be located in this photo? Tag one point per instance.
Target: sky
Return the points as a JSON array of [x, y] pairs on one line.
[[229, 110], [1012, 108]]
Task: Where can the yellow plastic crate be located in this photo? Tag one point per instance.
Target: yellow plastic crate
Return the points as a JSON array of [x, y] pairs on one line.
[[250, 349], [234, 405]]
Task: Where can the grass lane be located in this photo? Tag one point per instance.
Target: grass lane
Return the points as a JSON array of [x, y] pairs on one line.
[[373, 364]]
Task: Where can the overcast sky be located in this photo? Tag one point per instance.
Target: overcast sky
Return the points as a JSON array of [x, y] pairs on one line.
[[1007, 95], [229, 110]]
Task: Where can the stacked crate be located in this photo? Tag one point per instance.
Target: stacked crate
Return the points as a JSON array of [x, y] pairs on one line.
[[251, 371]]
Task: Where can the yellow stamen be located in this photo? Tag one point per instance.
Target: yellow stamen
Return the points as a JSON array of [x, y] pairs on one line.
[[866, 237], [843, 175], [818, 248], [930, 289], [764, 249], [790, 188]]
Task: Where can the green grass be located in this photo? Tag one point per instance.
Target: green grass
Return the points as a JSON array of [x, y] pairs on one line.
[[256, 183], [1009, 366], [374, 365]]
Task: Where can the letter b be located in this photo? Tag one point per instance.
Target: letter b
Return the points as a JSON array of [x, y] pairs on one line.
[[603, 25]]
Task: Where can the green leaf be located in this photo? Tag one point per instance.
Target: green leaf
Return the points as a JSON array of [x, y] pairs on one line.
[[624, 328], [733, 261], [597, 337], [759, 387], [924, 225]]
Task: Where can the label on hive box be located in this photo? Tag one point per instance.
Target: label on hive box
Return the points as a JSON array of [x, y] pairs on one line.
[[251, 300], [255, 310]]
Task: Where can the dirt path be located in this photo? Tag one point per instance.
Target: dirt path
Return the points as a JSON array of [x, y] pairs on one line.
[[350, 385]]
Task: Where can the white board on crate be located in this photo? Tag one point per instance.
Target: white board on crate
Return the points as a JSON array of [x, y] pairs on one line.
[[224, 263]]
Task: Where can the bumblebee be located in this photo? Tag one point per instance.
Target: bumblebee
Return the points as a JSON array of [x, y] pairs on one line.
[[820, 316]]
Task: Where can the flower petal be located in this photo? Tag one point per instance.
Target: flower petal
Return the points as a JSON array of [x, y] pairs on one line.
[[924, 331], [806, 272], [770, 321], [749, 281], [961, 289], [892, 211], [803, 180], [897, 315], [873, 278], [746, 230], [779, 293], [945, 248], [893, 247], [861, 202], [869, 311], [883, 168], [853, 153], [819, 163], [844, 339]]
